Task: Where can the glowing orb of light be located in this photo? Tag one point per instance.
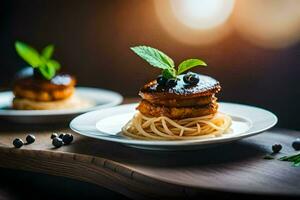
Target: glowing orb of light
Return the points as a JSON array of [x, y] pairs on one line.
[[269, 24], [202, 14], [195, 22]]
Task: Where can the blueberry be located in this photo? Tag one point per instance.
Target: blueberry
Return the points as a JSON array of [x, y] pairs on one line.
[[57, 142], [172, 82], [30, 139], [296, 144], [276, 148], [185, 77], [191, 79], [18, 143], [61, 135], [67, 138], [54, 135], [161, 80]]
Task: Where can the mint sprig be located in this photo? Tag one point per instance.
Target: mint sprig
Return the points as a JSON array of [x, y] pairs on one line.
[[47, 52], [189, 64], [295, 159], [160, 60], [154, 57], [43, 62]]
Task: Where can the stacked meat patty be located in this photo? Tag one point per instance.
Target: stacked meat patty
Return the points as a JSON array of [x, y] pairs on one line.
[[33, 93], [184, 99]]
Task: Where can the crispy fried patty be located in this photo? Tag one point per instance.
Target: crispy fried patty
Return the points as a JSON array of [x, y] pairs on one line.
[[181, 101], [58, 88], [149, 109], [206, 86]]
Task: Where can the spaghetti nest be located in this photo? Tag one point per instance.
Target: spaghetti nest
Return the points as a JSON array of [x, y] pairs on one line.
[[164, 128]]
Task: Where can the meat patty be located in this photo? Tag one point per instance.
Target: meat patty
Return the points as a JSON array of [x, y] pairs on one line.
[[179, 102], [206, 86], [149, 109], [58, 88]]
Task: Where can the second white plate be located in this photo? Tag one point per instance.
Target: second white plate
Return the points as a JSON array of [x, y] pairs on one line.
[[107, 124], [100, 98]]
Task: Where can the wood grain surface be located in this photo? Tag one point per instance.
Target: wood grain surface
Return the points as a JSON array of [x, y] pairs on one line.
[[236, 167]]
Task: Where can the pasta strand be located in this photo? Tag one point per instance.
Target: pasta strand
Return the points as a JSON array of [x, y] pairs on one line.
[[164, 128]]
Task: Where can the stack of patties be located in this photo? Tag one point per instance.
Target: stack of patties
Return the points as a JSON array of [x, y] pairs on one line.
[[36, 93], [190, 95]]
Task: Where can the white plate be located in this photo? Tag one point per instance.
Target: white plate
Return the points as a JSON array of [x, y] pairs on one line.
[[100, 98], [107, 123]]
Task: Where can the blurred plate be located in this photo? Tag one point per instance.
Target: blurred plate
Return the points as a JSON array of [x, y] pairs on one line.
[[107, 124], [99, 98]]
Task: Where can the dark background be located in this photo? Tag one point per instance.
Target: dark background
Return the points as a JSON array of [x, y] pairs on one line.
[[92, 41]]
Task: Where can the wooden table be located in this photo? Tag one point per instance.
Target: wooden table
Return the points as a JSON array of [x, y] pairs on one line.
[[235, 168]]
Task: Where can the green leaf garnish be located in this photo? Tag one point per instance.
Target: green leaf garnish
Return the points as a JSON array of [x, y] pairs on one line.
[[169, 73], [188, 64], [160, 60], [295, 159], [154, 57], [29, 54], [46, 66], [48, 51], [47, 72], [54, 64]]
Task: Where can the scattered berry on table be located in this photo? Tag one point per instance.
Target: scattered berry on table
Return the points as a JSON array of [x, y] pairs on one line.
[[296, 144], [276, 148], [54, 135], [57, 142], [30, 139], [67, 138], [61, 135], [18, 143]]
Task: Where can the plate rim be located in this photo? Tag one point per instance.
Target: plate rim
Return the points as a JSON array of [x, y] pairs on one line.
[[154, 143], [118, 98]]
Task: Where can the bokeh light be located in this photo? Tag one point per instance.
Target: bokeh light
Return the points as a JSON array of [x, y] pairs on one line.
[[264, 23], [268, 23], [195, 22], [202, 14]]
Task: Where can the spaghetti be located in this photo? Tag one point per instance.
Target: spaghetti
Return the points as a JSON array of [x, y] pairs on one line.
[[164, 128]]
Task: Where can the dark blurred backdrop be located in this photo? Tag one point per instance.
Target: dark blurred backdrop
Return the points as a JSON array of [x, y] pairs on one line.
[[92, 41]]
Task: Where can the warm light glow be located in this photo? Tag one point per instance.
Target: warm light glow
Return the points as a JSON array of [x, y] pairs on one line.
[[202, 14], [268, 24], [195, 22]]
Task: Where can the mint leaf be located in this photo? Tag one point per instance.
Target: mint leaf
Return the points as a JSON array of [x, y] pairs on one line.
[[54, 64], [47, 72], [295, 159], [159, 59], [169, 73], [188, 64], [48, 51], [154, 57], [46, 66], [28, 53], [296, 164]]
